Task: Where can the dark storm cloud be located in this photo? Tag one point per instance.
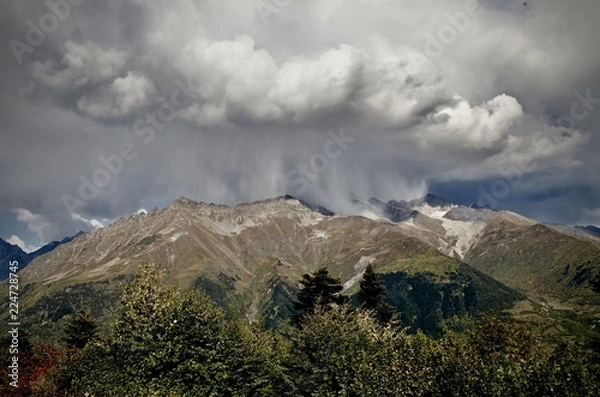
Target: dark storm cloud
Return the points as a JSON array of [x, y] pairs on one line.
[[230, 101]]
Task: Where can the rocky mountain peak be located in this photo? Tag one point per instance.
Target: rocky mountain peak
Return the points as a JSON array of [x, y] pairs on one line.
[[432, 200], [184, 202]]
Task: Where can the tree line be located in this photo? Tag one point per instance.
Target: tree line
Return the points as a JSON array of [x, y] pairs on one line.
[[163, 342]]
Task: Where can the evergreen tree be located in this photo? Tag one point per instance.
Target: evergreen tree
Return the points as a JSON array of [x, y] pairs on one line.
[[80, 330], [372, 296], [319, 290]]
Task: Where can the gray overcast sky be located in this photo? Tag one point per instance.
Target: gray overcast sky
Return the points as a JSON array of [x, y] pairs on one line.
[[113, 106]]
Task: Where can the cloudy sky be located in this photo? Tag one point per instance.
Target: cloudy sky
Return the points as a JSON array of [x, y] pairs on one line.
[[110, 107]]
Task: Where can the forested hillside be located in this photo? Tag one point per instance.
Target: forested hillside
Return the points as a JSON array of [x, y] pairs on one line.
[[162, 342]]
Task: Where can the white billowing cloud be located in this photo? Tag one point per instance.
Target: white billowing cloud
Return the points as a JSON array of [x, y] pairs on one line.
[[393, 88], [16, 240], [238, 82], [123, 97], [228, 77], [479, 127], [398, 85], [82, 64], [384, 82], [35, 223], [96, 224], [526, 145], [90, 222], [265, 93], [304, 85], [98, 69]]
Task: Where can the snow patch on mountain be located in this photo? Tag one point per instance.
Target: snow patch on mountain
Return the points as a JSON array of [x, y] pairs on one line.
[[311, 219], [176, 236], [434, 212], [372, 215], [459, 235], [319, 234], [464, 234]]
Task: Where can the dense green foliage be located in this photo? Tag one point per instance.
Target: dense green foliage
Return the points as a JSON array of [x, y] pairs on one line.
[[538, 260], [49, 315], [166, 343], [218, 290], [424, 302], [80, 330], [278, 308]]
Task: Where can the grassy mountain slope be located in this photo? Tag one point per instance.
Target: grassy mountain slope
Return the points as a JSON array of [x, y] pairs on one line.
[[537, 260], [248, 258]]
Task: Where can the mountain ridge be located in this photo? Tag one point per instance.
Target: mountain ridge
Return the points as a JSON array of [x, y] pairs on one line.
[[250, 257]]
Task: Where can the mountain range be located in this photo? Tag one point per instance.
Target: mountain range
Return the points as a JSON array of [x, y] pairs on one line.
[[438, 260], [10, 252]]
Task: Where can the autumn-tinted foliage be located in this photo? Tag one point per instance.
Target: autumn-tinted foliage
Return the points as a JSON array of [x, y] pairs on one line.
[[165, 343], [35, 362]]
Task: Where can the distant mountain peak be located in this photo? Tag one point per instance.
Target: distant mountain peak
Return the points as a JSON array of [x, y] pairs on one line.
[[432, 200], [402, 210], [5, 245], [479, 207], [590, 229], [10, 252], [288, 197], [317, 208], [268, 205], [184, 201]]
